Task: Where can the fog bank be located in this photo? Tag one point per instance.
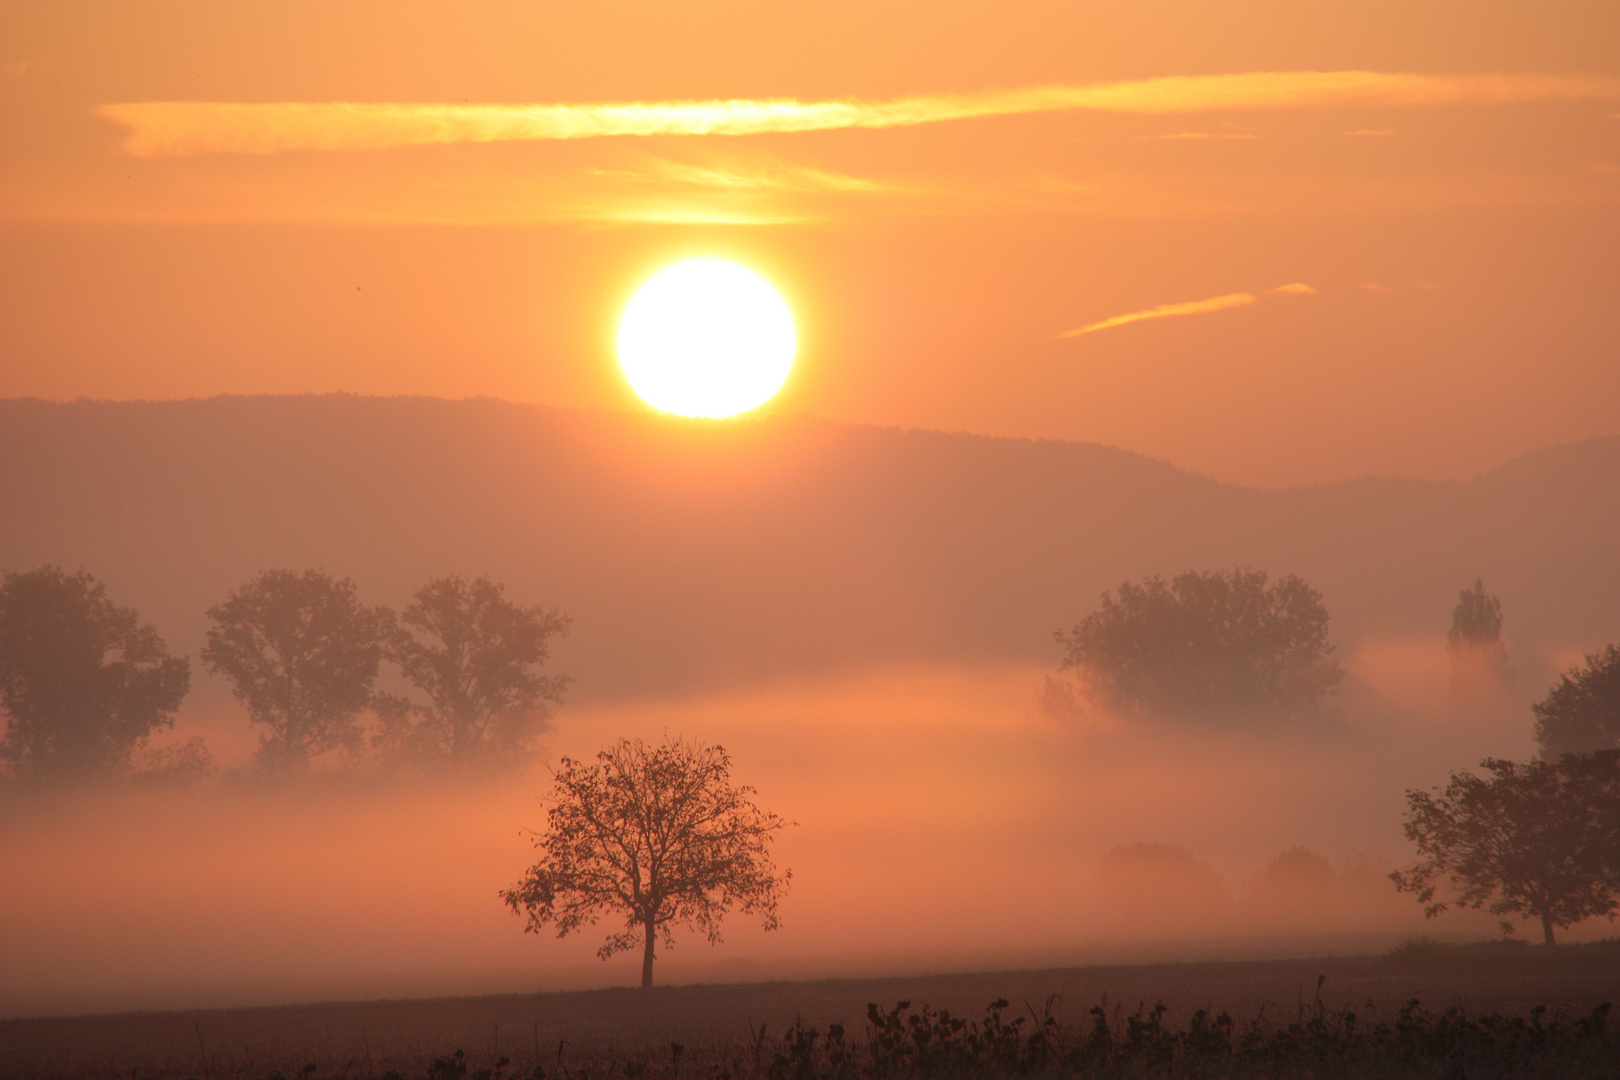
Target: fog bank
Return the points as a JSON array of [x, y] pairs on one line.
[[944, 822]]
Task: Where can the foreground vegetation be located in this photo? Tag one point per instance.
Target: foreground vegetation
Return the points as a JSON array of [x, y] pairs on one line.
[[903, 1042], [1316, 1042], [1325, 1018]]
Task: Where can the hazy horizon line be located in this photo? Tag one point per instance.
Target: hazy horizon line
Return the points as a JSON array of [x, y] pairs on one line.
[[762, 416]]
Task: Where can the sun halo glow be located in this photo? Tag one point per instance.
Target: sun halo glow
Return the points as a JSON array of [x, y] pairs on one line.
[[706, 337]]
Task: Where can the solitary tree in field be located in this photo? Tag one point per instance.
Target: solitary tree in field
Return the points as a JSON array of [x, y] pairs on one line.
[[657, 836], [1582, 712], [474, 655], [82, 682], [1478, 656], [1540, 840], [301, 652], [1219, 644]]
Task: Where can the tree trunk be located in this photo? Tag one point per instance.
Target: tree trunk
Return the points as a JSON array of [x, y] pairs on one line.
[[1546, 930], [648, 955]]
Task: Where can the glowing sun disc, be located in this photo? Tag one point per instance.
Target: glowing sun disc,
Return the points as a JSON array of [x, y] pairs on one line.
[[706, 337]]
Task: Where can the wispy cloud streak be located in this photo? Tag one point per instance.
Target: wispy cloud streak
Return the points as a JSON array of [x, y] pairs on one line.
[[1201, 135], [1166, 311], [1191, 307], [744, 177], [166, 128]]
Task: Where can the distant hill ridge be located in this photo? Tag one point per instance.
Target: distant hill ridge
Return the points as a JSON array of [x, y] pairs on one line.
[[693, 554]]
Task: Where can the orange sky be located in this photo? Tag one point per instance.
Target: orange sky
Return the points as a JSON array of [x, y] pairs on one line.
[[943, 192]]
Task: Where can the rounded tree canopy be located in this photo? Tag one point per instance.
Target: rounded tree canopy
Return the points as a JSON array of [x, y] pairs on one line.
[[657, 835], [82, 682], [1207, 645], [302, 653], [1582, 712]]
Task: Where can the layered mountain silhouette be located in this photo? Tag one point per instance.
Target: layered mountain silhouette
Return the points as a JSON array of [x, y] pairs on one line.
[[695, 554]]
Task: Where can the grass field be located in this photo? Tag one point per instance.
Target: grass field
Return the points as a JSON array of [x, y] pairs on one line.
[[628, 1033]]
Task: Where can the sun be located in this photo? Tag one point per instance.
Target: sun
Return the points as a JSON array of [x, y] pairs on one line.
[[706, 337]]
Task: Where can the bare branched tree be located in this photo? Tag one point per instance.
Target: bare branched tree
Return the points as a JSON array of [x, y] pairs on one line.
[[658, 835], [1541, 840], [474, 655]]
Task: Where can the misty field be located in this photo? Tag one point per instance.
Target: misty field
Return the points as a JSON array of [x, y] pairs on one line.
[[1289, 1010], [692, 540], [870, 639]]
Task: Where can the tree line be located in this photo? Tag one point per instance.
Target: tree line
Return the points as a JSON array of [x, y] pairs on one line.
[[1235, 647], [84, 683], [1537, 839], [661, 837]]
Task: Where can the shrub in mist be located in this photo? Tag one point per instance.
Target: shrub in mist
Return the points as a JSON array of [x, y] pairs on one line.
[[1155, 885], [1303, 892], [82, 682], [1582, 712], [473, 656], [1297, 887], [1230, 646], [180, 765]]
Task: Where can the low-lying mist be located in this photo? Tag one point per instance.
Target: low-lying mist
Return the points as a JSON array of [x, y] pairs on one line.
[[945, 820]]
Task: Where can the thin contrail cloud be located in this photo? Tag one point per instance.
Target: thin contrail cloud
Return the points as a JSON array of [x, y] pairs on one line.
[[170, 128], [1166, 311], [1191, 307]]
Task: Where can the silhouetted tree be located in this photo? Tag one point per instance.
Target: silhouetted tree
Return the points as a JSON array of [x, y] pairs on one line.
[[1477, 618], [474, 654], [1478, 655], [1581, 712], [658, 835], [1207, 644], [1541, 840], [301, 652], [82, 682]]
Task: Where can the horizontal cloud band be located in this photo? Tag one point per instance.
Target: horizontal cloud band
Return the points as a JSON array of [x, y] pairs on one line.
[[201, 127]]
